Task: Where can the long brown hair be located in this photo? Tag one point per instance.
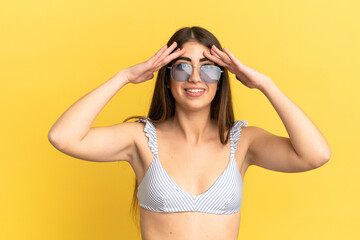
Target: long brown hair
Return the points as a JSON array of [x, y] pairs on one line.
[[163, 103]]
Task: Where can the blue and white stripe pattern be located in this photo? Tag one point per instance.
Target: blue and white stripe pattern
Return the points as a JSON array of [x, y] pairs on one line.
[[160, 193]]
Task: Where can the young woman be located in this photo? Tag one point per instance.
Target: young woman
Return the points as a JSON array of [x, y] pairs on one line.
[[187, 154]]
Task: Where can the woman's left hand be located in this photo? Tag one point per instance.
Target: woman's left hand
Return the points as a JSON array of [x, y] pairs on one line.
[[246, 75]]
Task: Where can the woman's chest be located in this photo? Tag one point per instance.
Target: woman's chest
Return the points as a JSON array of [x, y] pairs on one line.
[[195, 168]]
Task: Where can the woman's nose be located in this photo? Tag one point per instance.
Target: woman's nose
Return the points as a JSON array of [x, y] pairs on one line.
[[195, 75]]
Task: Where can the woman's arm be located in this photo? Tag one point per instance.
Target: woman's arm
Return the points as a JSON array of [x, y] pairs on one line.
[[73, 135], [74, 124], [72, 132], [305, 149]]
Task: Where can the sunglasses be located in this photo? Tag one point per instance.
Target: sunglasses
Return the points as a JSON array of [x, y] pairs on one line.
[[181, 72]]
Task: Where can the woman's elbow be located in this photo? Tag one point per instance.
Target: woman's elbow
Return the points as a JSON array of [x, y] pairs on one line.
[[324, 158]]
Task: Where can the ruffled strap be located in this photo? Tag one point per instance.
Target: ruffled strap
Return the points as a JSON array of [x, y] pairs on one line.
[[150, 132], [235, 134]]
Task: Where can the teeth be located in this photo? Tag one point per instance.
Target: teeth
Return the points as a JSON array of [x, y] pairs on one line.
[[195, 90]]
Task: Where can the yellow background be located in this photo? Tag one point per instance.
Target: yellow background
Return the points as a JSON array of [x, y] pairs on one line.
[[54, 52]]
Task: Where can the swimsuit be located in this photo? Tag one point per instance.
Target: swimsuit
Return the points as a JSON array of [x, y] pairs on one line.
[[158, 192]]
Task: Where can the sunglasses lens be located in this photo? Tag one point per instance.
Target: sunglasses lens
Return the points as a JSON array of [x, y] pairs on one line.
[[181, 72], [210, 73]]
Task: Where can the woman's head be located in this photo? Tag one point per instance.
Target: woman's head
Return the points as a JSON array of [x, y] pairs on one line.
[[163, 102], [194, 79]]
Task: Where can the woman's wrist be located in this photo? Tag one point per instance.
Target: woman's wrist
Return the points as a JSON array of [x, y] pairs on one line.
[[122, 76], [265, 85]]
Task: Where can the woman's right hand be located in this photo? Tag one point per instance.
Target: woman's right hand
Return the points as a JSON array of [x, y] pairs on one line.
[[145, 71]]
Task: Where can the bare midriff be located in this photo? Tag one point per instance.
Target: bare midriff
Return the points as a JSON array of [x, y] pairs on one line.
[[188, 225]]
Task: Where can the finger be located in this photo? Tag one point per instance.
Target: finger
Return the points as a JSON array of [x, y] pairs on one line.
[[214, 53], [217, 56], [222, 55], [168, 59], [231, 56], [159, 52], [215, 59], [209, 55], [166, 52], [172, 56]]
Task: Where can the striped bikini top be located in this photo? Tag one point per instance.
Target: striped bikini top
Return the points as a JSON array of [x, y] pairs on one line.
[[158, 192]]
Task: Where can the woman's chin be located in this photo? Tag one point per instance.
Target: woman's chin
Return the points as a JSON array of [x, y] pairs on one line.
[[193, 106]]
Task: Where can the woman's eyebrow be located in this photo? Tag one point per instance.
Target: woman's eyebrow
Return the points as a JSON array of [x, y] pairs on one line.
[[189, 60]]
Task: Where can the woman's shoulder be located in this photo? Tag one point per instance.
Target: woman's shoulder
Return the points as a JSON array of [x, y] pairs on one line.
[[134, 128], [249, 133], [145, 124], [239, 124], [241, 127]]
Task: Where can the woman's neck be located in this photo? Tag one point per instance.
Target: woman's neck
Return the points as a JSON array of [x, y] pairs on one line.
[[193, 127]]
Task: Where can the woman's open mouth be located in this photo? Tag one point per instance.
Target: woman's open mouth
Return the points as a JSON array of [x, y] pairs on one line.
[[194, 92]]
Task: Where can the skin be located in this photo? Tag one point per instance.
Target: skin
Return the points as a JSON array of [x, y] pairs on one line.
[[188, 144]]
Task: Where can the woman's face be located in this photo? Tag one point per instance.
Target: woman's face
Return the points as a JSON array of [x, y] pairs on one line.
[[193, 94]]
